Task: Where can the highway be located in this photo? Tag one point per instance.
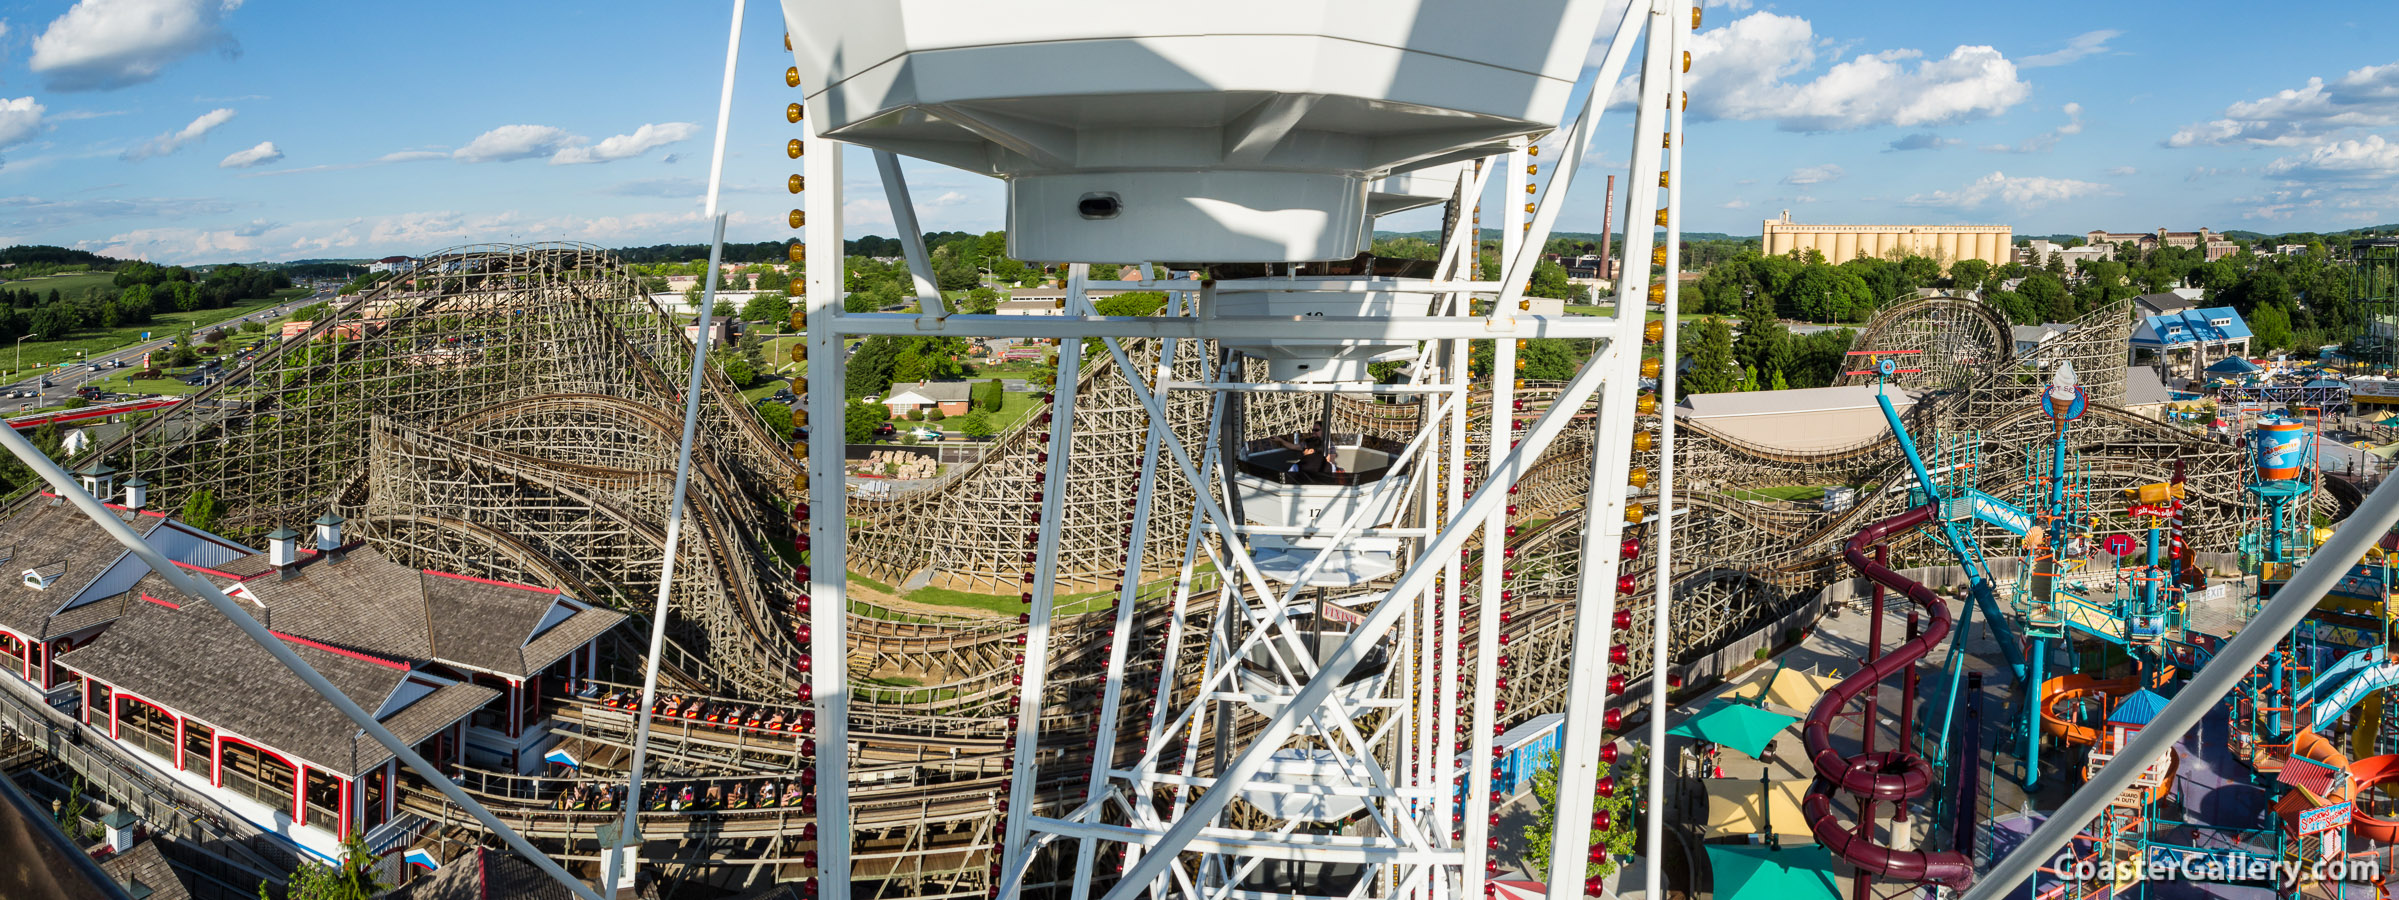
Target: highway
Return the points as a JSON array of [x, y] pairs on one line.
[[66, 379]]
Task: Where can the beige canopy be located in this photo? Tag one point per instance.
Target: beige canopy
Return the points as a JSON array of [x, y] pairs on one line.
[[1735, 808], [1793, 689]]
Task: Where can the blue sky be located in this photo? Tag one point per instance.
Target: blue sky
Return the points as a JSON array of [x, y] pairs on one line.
[[213, 130]]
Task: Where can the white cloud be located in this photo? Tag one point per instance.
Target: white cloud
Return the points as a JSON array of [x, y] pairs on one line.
[[1824, 174], [2371, 159], [260, 155], [509, 142], [1745, 70], [1923, 140], [2020, 193], [177, 140], [107, 44], [2362, 98], [20, 120], [1733, 204], [626, 146], [2047, 140], [2122, 171], [412, 156], [2088, 43]]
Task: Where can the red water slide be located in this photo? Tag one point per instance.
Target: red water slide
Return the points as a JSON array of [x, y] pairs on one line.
[[2365, 775], [1895, 776]]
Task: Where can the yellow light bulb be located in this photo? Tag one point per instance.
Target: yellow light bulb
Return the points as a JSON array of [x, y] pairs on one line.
[[1634, 514], [1686, 61], [796, 184], [1657, 255], [798, 252], [1528, 207], [1534, 169], [1664, 180], [1661, 218], [1652, 367], [798, 219], [1532, 189], [1654, 331], [1642, 442], [793, 113], [794, 149], [1637, 477], [1695, 17], [1646, 404], [791, 76]]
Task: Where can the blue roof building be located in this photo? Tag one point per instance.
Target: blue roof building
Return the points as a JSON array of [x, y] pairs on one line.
[[2187, 341]]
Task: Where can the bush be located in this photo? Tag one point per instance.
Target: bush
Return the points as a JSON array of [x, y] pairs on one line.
[[1761, 655], [916, 415], [935, 415], [74, 403], [988, 396]]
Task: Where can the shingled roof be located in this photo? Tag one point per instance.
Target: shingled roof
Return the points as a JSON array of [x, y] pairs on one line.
[[366, 602], [195, 662], [46, 534], [146, 867]]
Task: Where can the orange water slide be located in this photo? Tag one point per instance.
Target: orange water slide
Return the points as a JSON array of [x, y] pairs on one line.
[[2059, 691], [2363, 775]]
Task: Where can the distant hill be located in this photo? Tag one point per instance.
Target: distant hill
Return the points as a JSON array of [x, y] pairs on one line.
[[42, 254]]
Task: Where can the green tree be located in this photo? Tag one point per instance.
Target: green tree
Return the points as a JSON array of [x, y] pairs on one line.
[[980, 301], [1779, 383], [990, 395], [2272, 326], [1709, 348], [1968, 274], [1623, 806], [202, 509], [773, 309], [737, 369], [976, 425], [1549, 280], [777, 418], [2045, 297], [352, 879], [860, 419]]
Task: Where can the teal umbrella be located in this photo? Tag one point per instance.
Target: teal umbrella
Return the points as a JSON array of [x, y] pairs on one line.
[[2392, 419], [1737, 725], [1745, 872]]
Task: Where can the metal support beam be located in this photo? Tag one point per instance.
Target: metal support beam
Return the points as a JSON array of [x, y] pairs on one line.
[[1603, 526], [912, 238], [1023, 777], [1392, 328], [828, 523]]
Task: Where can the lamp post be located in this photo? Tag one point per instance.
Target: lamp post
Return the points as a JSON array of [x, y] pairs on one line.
[[20, 366]]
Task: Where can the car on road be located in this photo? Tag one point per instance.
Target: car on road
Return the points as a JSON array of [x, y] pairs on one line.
[[886, 430]]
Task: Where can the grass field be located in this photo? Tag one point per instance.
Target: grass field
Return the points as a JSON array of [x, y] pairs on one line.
[[40, 353], [1792, 492], [65, 285]]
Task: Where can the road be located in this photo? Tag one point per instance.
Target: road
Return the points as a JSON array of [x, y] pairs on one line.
[[66, 379]]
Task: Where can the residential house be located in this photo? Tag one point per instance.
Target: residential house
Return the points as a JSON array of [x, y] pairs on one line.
[[953, 398]]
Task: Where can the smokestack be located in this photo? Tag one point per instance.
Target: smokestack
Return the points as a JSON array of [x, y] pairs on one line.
[[1607, 234]]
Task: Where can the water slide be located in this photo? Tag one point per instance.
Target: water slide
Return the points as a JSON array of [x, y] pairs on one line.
[[2364, 775], [1895, 775], [2339, 670], [2064, 689]]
